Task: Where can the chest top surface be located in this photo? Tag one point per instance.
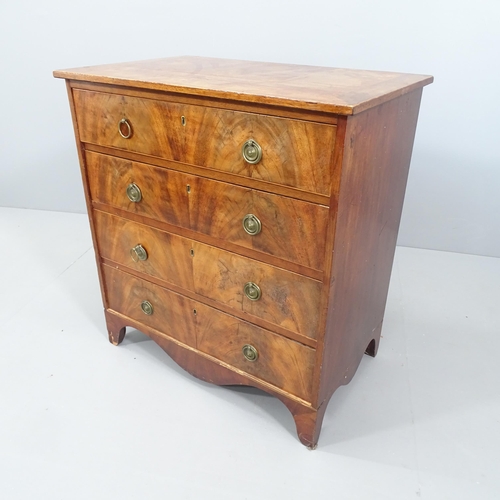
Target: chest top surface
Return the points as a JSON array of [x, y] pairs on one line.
[[334, 90]]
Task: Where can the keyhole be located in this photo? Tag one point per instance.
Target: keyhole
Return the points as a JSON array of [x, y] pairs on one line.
[[191, 252], [183, 121]]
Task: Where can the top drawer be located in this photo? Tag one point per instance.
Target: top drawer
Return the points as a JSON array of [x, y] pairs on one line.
[[294, 153]]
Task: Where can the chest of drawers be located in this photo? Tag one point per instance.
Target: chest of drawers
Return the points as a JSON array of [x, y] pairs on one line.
[[244, 215]]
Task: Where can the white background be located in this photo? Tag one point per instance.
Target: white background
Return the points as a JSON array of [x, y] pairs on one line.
[[452, 200]]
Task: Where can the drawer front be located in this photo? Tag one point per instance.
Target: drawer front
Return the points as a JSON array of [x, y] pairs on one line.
[[282, 362], [294, 153], [287, 299], [163, 193], [169, 311], [291, 229], [168, 255]]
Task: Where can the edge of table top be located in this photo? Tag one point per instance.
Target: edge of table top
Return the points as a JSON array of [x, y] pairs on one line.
[[314, 88]]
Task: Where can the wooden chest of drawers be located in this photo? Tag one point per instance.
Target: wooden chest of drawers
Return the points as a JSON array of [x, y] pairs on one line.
[[245, 215]]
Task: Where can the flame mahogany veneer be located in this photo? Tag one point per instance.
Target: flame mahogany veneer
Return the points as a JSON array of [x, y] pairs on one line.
[[167, 187]]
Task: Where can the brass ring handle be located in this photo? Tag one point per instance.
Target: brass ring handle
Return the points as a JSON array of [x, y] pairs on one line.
[[147, 307], [134, 193], [250, 352], [125, 128], [138, 253], [251, 151], [251, 224], [252, 291]]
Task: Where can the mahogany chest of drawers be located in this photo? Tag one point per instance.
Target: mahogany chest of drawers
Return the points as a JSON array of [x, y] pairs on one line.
[[244, 215]]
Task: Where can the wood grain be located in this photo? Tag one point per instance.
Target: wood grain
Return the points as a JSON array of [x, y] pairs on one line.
[[171, 312], [328, 191], [289, 300], [169, 256], [250, 107], [115, 326], [86, 190], [213, 208], [284, 363], [209, 240], [291, 229], [207, 368], [308, 341], [164, 193], [295, 153], [377, 154], [267, 187], [334, 90]]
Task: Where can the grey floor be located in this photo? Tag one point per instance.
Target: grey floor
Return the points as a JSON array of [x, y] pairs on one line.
[[82, 419]]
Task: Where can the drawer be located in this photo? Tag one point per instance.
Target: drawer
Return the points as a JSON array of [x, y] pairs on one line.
[[127, 295], [168, 255], [162, 193], [287, 299], [282, 362], [294, 153], [291, 229]]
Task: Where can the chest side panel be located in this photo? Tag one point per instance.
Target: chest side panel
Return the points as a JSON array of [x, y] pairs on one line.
[[377, 152]]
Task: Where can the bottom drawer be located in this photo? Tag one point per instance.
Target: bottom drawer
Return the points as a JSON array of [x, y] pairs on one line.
[[170, 312], [280, 361]]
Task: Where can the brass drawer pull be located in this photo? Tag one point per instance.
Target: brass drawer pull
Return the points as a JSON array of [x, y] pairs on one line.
[[250, 352], [147, 307], [251, 224], [125, 128], [138, 253], [134, 193], [252, 291], [252, 152]]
